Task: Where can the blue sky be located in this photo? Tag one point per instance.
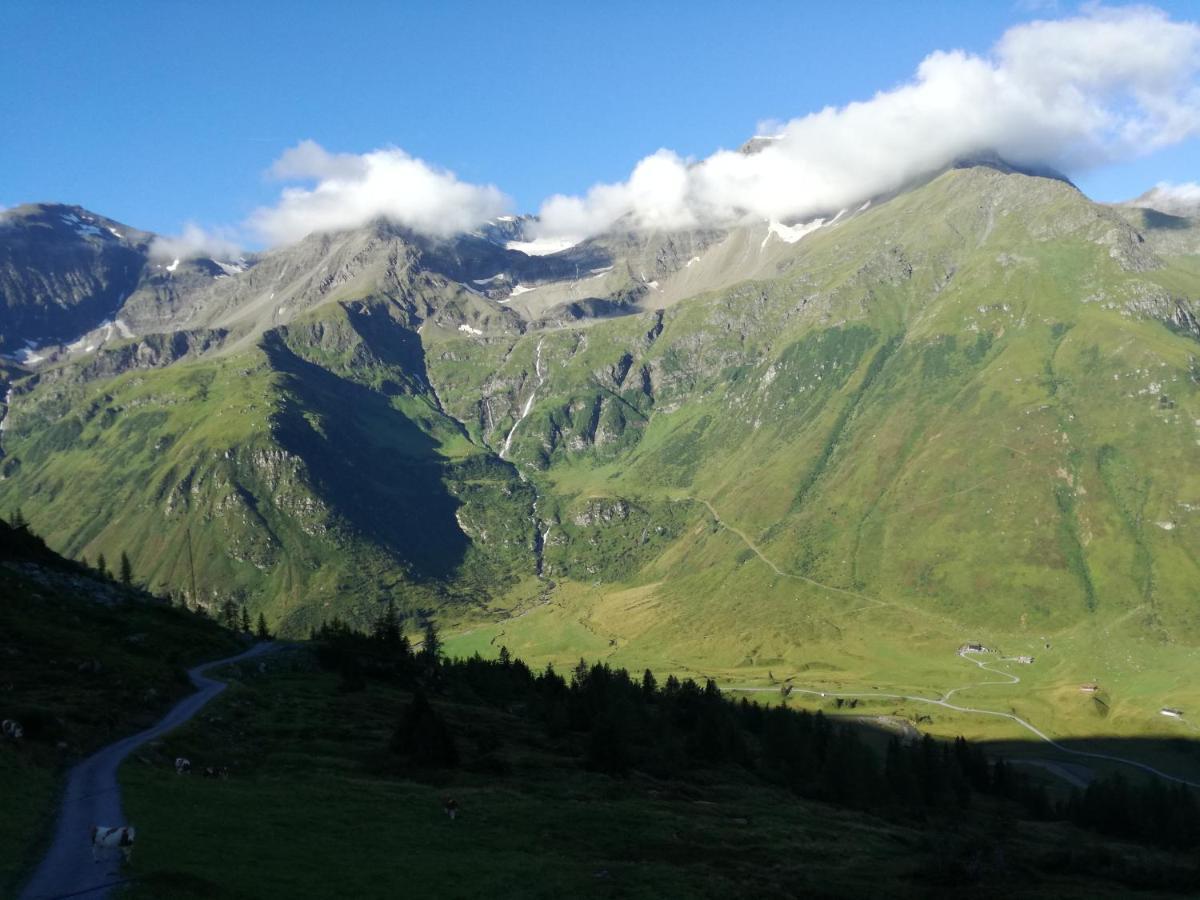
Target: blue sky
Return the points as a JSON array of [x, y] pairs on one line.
[[160, 113]]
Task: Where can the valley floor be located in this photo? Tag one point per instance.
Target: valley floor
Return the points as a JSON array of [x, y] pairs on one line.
[[880, 659]]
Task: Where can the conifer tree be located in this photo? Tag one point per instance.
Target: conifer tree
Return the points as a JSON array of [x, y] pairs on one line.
[[229, 615], [423, 737], [102, 566], [387, 629], [245, 619], [431, 651], [126, 570], [264, 633]]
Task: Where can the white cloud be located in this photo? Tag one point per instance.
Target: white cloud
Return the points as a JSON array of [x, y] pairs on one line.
[[1110, 84], [194, 242], [350, 190], [1175, 199]]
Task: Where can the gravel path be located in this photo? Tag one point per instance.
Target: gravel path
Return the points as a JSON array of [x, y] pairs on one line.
[[93, 797]]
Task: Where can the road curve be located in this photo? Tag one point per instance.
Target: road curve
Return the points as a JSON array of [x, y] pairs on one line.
[[92, 797]]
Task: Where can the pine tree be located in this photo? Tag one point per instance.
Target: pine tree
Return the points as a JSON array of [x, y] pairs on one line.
[[101, 566], [388, 629], [431, 652], [649, 684], [263, 633], [229, 615], [18, 519], [505, 656], [126, 570], [83, 561], [245, 620], [579, 677], [423, 737]]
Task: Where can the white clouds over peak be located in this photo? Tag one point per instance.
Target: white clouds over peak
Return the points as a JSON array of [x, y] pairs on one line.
[[192, 243], [1075, 93], [347, 190], [1176, 199]]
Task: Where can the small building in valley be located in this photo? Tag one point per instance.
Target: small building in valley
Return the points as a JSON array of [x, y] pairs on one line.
[[1172, 713], [1088, 688], [973, 647]]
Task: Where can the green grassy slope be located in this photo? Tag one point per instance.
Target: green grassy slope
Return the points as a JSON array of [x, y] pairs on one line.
[[312, 469], [968, 412]]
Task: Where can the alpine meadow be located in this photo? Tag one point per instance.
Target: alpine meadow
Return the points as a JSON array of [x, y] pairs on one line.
[[814, 515]]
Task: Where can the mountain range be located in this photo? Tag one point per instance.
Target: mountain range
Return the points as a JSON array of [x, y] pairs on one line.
[[973, 401]]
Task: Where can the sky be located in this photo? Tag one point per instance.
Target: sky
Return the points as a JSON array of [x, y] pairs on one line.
[[253, 123]]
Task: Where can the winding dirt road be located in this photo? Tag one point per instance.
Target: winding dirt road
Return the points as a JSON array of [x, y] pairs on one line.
[[93, 797], [971, 710], [942, 701]]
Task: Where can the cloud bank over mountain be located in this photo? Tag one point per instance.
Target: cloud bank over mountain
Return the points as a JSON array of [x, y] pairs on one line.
[[194, 242], [351, 190], [1176, 199], [1071, 94]]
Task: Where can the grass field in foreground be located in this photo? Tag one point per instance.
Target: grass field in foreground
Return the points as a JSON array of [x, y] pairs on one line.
[[315, 807]]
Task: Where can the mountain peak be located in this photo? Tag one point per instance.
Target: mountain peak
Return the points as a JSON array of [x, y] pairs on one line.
[[1172, 199]]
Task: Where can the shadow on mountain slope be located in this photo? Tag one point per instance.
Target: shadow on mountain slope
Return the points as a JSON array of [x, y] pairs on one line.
[[373, 465]]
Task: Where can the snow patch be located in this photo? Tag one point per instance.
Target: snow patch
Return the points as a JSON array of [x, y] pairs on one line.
[[1166, 526], [541, 246], [468, 329], [694, 259], [499, 276], [115, 233], [601, 270], [789, 234], [521, 289], [173, 266], [864, 206]]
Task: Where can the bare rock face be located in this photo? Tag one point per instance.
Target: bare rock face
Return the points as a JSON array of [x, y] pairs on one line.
[[62, 271]]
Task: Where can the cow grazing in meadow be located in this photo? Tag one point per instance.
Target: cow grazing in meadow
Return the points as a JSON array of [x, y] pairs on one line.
[[12, 729], [119, 837], [183, 765]]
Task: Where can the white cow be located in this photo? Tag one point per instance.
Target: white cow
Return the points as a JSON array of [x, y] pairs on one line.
[[119, 837], [183, 765], [12, 729]]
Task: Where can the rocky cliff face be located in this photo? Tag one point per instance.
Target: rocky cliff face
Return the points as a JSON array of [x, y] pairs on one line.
[[62, 271]]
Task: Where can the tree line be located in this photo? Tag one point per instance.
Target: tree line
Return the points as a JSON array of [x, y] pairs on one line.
[[619, 723]]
